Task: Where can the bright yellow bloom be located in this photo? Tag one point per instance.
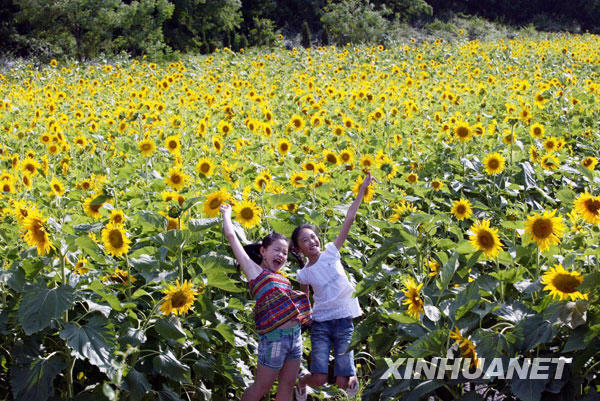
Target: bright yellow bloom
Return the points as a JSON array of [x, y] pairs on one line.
[[214, 201], [461, 209], [178, 298], [247, 213], [176, 178], [466, 348], [115, 240], [413, 299], [369, 192], [563, 284], [146, 147], [205, 166], [35, 233], [494, 163], [545, 229], [485, 238], [588, 207]]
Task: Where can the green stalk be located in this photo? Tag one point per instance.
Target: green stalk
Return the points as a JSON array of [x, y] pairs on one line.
[[70, 359]]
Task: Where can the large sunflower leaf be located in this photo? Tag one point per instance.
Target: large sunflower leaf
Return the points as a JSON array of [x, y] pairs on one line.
[[34, 382], [92, 341], [40, 305], [169, 366]]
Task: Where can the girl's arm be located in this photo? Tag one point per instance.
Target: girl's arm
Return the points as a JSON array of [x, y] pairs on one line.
[[351, 214], [250, 269]]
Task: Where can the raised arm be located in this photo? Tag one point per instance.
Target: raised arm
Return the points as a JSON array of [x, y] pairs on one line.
[[250, 269], [351, 214]]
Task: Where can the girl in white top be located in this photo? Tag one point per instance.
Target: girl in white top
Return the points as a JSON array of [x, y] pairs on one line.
[[334, 306]]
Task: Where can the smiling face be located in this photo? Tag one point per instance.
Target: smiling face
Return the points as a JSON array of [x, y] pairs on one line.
[[308, 243], [275, 255]]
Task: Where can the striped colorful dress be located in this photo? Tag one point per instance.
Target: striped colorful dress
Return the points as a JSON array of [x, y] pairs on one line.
[[277, 303]]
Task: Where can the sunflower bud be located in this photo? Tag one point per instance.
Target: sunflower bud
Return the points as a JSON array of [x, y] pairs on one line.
[[174, 212]]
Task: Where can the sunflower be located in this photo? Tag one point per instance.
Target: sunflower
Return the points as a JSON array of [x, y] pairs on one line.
[[173, 144], [309, 166], [115, 240], [550, 144], [262, 180], [508, 137], [120, 277], [224, 127], [366, 161], [534, 155], [7, 187], [283, 146], [461, 209], [27, 181], [494, 163], [412, 178], [402, 209], [434, 267], [347, 156], [176, 178], [466, 348], [297, 122], [56, 187], [462, 131], [81, 266], [437, 185], [369, 192], [537, 131], [330, 157], [214, 201], [413, 299], [117, 216], [35, 233], [589, 163], [146, 147], [298, 179], [205, 166], [563, 284], [544, 229], [247, 213], [92, 209], [588, 207], [30, 166], [550, 162], [338, 130], [178, 298], [485, 238]]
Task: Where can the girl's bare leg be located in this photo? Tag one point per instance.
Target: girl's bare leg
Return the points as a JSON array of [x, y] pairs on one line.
[[262, 383], [287, 380]]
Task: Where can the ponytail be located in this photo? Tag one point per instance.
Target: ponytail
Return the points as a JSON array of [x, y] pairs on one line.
[[294, 252]]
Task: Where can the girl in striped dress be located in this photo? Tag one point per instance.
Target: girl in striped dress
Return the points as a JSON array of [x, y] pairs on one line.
[[279, 311]]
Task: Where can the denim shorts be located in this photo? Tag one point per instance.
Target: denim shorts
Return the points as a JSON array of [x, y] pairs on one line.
[[278, 346], [336, 333]]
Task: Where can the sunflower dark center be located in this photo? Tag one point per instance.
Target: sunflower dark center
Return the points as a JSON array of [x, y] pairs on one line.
[[215, 203], [494, 163], [485, 240], [176, 178], [146, 147], [115, 238], [247, 213], [462, 132], [178, 299], [331, 158], [205, 167], [592, 206], [461, 209], [542, 228], [566, 283], [284, 147], [297, 123]]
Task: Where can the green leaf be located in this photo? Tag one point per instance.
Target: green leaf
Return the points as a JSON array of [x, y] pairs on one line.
[[32, 267], [34, 382], [170, 328], [448, 270], [40, 305], [423, 390], [87, 245], [566, 196], [92, 341], [87, 228], [189, 203], [105, 293], [528, 390], [137, 384], [202, 224], [154, 219], [590, 282], [227, 332], [99, 200], [281, 199], [215, 268], [169, 366]]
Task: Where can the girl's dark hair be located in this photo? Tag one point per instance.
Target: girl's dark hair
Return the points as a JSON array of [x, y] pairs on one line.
[[294, 244], [253, 250]]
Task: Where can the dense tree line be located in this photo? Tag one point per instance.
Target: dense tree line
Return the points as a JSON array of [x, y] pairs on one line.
[[88, 28]]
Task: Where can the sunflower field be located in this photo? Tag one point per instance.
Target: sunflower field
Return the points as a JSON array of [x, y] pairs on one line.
[[480, 237]]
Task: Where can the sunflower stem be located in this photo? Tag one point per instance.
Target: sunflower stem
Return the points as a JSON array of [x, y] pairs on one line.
[[181, 265], [128, 278], [70, 359]]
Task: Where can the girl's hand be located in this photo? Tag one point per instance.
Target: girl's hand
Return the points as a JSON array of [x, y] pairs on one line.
[[225, 211]]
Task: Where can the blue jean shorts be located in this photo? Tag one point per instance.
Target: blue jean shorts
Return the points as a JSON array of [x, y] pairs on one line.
[[278, 346], [336, 333]]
